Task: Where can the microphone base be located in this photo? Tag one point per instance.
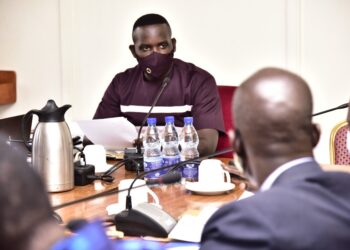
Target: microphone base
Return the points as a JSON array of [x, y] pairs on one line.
[[145, 219], [81, 173], [133, 156]]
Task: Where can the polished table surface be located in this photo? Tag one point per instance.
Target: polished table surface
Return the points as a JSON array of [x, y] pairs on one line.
[[174, 199]]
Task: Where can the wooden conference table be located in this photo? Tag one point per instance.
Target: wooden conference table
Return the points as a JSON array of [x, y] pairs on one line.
[[174, 199]]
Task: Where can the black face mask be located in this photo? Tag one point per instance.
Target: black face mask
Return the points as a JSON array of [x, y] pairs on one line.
[[156, 65]]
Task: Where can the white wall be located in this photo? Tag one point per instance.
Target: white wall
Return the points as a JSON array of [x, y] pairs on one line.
[[230, 40], [69, 50], [326, 61], [29, 45]]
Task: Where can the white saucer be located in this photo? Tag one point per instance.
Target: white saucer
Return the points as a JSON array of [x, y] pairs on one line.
[[207, 189], [102, 168], [115, 208]]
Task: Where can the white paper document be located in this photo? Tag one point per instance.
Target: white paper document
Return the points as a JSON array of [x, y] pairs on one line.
[[113, 133], [189, 227], [246, 194]]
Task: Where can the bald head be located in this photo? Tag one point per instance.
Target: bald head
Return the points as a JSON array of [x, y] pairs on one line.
[[272, 112]]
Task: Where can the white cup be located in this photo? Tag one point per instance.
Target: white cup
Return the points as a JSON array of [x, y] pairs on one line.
[[211, 172], [96, 155], [138, 194]]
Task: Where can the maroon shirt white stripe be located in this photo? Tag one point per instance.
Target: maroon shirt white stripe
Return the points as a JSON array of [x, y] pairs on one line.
[[191, 92]]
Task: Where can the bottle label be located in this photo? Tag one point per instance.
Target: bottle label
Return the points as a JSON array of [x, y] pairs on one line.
[[171, 160], [152, 163], [190, 172]]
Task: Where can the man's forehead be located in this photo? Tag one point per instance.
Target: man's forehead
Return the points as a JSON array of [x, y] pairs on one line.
[[151, 32]]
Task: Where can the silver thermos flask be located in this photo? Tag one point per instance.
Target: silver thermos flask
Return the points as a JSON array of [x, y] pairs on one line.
[[52, 147]]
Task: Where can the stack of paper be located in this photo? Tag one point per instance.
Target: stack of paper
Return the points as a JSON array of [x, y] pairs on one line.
[[190, 227], [112, 133]]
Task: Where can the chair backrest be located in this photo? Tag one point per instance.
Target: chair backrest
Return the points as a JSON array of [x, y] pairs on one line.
[[11, 140], [339, 152], [226, 94]]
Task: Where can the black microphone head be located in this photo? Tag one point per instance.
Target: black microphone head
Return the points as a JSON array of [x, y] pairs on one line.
[[343, 106], [170, 177]]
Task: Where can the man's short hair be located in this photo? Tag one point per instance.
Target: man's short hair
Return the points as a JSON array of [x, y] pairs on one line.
[[150, 19]]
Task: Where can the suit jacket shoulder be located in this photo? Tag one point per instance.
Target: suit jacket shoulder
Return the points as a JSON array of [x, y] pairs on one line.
[[301, 211]]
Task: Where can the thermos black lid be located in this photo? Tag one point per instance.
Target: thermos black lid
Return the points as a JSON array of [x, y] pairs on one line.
[[51, 113]]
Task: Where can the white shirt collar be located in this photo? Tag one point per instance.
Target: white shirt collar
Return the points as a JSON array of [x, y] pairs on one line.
[[281, 169]]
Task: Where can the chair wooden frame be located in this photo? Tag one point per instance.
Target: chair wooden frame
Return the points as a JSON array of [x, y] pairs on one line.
[[332, 138]]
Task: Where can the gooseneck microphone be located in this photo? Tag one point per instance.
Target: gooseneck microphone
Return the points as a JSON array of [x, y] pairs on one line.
[[152, 182], [130, 153], [160, 92], [343, 106], [168, 178], [147, 218], [172, 176]]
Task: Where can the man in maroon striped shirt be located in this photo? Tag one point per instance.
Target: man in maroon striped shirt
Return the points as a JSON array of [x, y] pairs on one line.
[[191, 90]]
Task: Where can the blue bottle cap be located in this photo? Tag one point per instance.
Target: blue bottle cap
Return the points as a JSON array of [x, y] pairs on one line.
[[188, 119], [151, 121], [169, 119]]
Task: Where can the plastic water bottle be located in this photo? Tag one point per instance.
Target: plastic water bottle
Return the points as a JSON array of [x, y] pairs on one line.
[[189, 143], [171, 153], [152, 157]]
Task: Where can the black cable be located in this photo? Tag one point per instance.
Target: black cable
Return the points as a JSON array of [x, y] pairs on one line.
[[106, 176], [175, 166], [115, 167], [180, 164], [116, 189], [343, 106], [91, 197]]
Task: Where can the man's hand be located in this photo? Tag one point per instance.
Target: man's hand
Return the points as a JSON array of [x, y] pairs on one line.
[[208, 140]]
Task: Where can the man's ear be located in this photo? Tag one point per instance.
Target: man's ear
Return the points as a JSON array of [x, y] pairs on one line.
[[238, 144], [173, 40], [315, 134], [239, 149], [132, 49]]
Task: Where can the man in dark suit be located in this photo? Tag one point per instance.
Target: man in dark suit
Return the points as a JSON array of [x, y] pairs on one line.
[[298, 206]]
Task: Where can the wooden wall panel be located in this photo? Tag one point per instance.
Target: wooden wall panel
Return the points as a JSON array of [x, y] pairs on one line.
[[7, 87]]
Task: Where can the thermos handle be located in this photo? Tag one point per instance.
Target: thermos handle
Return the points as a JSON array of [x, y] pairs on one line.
[[25, 119]]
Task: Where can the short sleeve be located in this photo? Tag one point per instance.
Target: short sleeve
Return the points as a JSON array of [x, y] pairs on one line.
[[206, 108], [110, 103]]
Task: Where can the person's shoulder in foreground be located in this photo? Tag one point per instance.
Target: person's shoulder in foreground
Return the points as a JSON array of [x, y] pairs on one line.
[[298, 206], [27, 221]]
